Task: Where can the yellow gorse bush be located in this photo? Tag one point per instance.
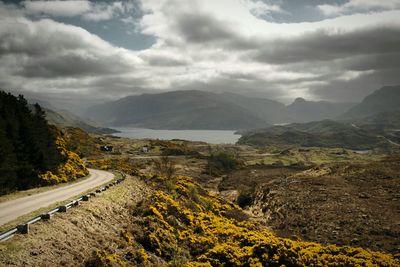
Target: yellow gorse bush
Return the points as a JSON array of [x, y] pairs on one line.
[[121, 164], [71, 169], [203, 230]]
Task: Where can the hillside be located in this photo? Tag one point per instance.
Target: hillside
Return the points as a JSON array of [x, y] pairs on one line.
[[64, 118], [266, 109], [158, 221], [32, 153], [385, 99], [176, 110], [302, 110], [324, 133], [162, 218], [389, 120], [206, 110]]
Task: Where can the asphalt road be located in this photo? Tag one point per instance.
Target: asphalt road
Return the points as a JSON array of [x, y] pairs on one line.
[[12, 209]]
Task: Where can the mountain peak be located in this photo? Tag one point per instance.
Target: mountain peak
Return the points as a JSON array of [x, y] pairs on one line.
[[299, 100]]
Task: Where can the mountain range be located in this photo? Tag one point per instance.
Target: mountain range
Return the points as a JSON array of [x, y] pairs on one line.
[[302, 110], [205, 110], [181, 110], [224, 111], [374, 123]]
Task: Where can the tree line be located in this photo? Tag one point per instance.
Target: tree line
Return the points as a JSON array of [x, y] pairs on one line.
[[27, 144]]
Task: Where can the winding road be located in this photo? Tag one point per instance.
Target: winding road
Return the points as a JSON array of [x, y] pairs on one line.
[[12, 209]]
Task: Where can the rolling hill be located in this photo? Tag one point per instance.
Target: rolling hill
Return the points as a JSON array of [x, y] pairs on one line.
[[326, 133]]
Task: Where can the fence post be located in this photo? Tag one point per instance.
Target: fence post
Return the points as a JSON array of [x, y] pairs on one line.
[[45, 216], [62, 209], [23, 229]]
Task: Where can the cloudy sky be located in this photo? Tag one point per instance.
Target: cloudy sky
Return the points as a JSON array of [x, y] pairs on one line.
[[337, 50]]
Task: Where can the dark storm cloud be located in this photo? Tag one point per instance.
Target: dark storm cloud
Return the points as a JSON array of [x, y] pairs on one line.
[[204, 29], [61, 66], [39, 38], [221, 46], [251, 86], [163, 61], [324, 46], [118, 85], [385, 61], [47, 49], [355, 89]]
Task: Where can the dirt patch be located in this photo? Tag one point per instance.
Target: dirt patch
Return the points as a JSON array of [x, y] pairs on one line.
[[68, 239], [344, 203], [254, 175]]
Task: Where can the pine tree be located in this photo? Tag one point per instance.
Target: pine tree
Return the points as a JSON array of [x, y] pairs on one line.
[[27, 144]]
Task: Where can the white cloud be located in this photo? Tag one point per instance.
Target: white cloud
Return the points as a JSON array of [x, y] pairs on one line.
[[351, 75], [259, 8], [357, 6], [200, 44], [104, 11], [217, 42], [46, 56]]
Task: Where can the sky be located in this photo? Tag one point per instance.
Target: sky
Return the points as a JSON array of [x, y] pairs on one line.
[[85, 52]]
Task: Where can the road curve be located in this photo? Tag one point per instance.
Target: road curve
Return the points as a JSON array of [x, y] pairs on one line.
[[12, 209]]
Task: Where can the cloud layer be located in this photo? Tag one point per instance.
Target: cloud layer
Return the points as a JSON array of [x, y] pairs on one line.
[[210, 45]]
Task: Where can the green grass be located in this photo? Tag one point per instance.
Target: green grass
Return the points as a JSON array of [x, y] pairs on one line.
[[311, 156]]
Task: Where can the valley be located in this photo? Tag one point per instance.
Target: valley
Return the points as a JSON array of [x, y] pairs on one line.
[[324, 195], [228, 133], [321, 192]]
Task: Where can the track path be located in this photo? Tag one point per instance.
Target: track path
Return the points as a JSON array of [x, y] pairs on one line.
[[12, 209]]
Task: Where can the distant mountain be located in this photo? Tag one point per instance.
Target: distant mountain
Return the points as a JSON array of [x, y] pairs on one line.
[[326, 133], [181, 110], [302, 110], [383, 100], [64, 118], [266, 109], [206, 110]]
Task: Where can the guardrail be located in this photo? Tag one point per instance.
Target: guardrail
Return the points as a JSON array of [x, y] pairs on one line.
[[24, 228]]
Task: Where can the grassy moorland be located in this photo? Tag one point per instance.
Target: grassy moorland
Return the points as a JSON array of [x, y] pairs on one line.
[[228, 205]]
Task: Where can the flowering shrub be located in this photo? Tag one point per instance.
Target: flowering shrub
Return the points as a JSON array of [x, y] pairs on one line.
[[184, 225], [71, 169], [195, 227], [122, 164]]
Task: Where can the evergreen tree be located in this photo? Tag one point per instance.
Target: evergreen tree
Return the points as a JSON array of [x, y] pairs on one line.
[[27, 144]]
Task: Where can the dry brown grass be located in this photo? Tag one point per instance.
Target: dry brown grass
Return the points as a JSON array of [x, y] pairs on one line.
[[70, 238]]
